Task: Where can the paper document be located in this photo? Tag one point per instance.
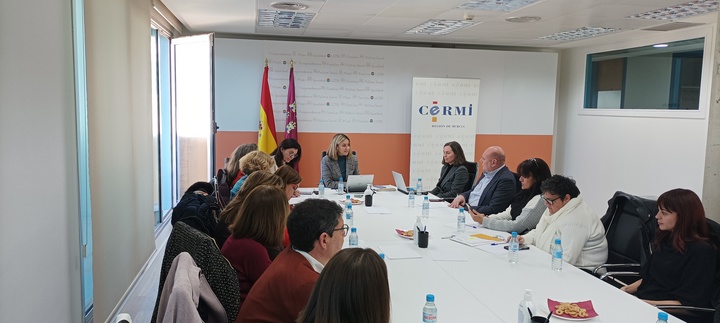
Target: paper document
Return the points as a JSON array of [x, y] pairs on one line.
[[447, 254], [476, 239], [400, 252], [377, 210]]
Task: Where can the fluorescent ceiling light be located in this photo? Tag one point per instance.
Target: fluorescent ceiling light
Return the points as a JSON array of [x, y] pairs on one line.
[[580, 33], [496, 5], [683, 10], [660, 45], [440, 26], [284, 19]]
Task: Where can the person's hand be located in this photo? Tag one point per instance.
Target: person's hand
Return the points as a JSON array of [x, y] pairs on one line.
[[296, 193], [630, 289], [459, 201], [476, 216]]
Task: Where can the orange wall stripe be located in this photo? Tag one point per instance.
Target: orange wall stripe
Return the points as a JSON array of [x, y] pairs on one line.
[[381, 153]]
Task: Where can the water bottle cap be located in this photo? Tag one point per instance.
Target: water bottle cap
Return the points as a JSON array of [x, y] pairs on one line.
[[353, 229], [341, 179], [514, 234], [419, 179], [557, 240], [382, 255], [411, 189], [663, 316], [430, 298], [426, 197], [347, 196]]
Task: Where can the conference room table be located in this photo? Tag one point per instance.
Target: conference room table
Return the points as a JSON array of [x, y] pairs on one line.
[[474, 284]]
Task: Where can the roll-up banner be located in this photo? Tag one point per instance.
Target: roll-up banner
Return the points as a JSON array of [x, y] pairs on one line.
[[443, 110]]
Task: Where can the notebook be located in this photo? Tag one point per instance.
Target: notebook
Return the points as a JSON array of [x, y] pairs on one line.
[[358, 183]]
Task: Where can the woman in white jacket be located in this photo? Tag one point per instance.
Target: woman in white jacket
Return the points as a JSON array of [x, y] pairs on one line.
[[568, 217]]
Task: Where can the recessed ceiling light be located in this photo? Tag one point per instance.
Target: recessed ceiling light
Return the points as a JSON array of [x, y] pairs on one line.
[[523, 19], [284, 19], [688, 9], [289, 5], [580, 33], [660, 45], [496, 5], [440, 26]]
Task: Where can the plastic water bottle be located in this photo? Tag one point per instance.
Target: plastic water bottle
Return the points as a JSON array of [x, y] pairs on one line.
[[349, 215], [557, 255], [426, 207], [321, 189], [525, 304], [348, 201], [353, 237], [341, 186], [513, 248], [418, 186], [461, 220], [411, 197], [430, 310], [417, 227], [662, 317]]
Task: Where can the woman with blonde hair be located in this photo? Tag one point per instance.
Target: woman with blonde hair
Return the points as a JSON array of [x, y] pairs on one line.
[[259, 226], [252, 162], [232, 210], [292, 180], [339, 162], [352, 288]]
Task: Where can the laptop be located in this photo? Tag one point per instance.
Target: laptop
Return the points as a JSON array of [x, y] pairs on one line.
[[399, 182], [358, 183]]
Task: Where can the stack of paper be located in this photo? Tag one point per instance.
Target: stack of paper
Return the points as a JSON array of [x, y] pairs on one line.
[[476, 239]]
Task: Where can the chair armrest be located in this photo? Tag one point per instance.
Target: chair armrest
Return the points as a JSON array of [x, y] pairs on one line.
[[619, 273], [606, 266]]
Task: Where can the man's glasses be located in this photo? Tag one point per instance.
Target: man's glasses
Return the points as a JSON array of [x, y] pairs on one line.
[[344, 229], [549, 201]]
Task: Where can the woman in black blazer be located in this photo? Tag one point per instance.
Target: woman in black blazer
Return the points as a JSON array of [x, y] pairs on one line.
[[454, 175]]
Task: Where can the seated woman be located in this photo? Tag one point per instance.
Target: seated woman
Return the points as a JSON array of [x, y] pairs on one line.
[[254, 161], [681, 269], [287, 153], [527, 207], [567, 216], [453, 175], [353, 287], [231, 211], [233, 165], [259, 225], [292, 180], [339, 162]]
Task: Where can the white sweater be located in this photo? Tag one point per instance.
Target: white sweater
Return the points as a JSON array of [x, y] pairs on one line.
[[582, 234], [527, 220]]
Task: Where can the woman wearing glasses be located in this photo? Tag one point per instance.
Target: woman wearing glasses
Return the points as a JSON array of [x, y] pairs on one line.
[[292, 180], [569, 218], [681, 269], [353, 287], [288, 152], [527, 207], [339, 162], [453, 175], [258, 227]]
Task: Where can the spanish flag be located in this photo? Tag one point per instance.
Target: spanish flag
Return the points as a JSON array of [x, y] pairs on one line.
[[267, 139]]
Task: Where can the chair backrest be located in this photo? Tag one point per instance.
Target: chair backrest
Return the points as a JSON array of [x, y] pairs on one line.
[[630, 227], [221, 276], [472, 168]]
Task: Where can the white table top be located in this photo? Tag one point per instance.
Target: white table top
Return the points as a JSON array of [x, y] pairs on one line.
[[486, 287]]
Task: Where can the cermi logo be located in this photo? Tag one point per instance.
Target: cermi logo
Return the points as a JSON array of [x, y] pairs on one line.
[[445, 110]]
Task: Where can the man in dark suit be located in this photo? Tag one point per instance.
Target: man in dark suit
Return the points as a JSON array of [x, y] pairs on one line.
[[495, 189]]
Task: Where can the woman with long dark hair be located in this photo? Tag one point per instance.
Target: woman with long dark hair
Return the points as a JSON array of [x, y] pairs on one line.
[[681, 270], [527, 207], [454, 174], [352, 288], [288, 152]]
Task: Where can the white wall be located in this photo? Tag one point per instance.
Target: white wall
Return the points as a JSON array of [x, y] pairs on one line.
[[39, 222], [640, 153]]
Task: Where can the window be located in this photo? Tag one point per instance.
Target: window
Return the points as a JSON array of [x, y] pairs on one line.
[[161, 123], [657, 77]]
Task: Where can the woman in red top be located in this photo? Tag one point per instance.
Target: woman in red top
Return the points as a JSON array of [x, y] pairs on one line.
[[259, 226]]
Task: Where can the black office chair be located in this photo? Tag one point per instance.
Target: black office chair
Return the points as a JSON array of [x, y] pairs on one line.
[[630, 226], [472, 168]]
